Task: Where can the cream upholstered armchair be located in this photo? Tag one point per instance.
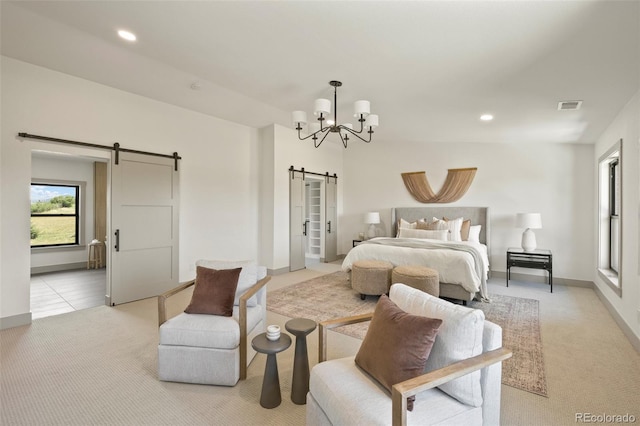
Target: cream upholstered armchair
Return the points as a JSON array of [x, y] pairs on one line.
[[461, 384], [212, 349]]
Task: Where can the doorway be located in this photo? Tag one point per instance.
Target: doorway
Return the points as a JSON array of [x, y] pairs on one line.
[[312, 219], [68, 202], [140, 203]]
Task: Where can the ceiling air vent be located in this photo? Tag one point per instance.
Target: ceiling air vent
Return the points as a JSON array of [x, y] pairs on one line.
[[569, 105]]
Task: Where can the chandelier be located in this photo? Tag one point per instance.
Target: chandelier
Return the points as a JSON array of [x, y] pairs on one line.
[[322, 109]]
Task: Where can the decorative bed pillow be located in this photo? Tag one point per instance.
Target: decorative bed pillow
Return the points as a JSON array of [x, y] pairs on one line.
[[455, 228], [403, 224], [248, 275], [435, 225], [214, 291], [459, 338], [464, 229], [474, 233], [397, 344], [423, 233]]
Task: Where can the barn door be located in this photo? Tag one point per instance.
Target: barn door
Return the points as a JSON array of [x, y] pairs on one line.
[[331, 218], [297, 222], [144, 227]]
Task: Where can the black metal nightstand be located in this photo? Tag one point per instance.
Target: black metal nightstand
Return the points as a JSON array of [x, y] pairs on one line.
[[536, 259], [356, 242]]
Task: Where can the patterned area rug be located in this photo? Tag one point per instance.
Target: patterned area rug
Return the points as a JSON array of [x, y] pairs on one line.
[[331, 296]]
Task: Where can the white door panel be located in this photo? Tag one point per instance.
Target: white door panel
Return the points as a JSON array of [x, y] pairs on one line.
[[144, 225], [331, 225], [147, 183], [297, 237]]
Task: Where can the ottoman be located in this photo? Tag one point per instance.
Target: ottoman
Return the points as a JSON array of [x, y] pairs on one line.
[[371, 277], [418, 277]]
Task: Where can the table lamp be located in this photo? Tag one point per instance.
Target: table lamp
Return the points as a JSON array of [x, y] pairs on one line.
[[372, 218], [529, 221]]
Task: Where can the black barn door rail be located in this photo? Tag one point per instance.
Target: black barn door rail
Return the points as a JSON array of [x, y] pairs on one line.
[[115, 147]]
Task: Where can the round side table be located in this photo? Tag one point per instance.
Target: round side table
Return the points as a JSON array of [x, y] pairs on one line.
[[270, 396], [300, 327]]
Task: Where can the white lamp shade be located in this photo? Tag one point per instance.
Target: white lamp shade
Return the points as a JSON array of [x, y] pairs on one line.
[[361, 108], [299, 117], [372, 217], [372, 121], [529, 220], [321, 106]]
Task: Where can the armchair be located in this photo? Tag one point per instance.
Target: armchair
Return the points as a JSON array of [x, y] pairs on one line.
[[211, 349], [342, 393]]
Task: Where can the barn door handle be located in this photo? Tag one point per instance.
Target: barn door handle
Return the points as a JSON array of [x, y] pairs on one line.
[[117, 244], [329, 228], [304, 227]]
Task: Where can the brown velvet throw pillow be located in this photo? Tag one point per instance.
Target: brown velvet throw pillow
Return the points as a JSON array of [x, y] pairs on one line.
[[397, 345], [214, 291]]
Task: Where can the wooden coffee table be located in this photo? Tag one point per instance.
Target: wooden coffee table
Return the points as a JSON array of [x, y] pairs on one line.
[[270, 396]]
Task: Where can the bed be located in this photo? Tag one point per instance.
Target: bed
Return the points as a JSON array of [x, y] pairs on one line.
[[463, 266]]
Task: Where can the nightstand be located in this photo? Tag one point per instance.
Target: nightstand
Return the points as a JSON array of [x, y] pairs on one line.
[[536, 259], [356, 242]]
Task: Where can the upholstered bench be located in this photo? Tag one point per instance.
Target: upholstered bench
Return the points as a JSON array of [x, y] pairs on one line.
[[418, 277], [371, 277]]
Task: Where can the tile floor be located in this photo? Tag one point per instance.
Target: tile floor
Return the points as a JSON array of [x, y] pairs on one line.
[[67, 291]]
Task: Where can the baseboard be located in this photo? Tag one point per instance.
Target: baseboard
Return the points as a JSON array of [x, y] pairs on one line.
[[57, 268], [15, 321], [279, 271], [543, 279], [631, 336]]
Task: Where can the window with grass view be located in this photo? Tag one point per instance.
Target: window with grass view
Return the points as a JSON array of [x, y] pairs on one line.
[[54, 215]]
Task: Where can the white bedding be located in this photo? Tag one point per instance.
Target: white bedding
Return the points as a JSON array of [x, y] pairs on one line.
[[454, 261]]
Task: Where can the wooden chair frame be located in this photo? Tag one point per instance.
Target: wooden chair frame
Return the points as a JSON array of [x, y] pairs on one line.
[[242, 317], [401, 391]]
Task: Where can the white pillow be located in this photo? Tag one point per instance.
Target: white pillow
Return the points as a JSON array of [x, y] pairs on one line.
[[474, 233], [409, 225], [423, 233], [455, 226], [248, 276], [459, 338]]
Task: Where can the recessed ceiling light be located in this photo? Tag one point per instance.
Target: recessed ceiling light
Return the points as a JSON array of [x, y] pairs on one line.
[[486, 117], [127, 35]]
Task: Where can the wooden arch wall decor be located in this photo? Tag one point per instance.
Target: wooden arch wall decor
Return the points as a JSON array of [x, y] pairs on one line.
[[455, 185]]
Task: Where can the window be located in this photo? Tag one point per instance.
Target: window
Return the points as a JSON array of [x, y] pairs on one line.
[[610, 216], [55, 214], [614, 213]]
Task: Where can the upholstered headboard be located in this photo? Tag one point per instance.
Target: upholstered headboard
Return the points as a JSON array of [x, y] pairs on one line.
[[477, 215]]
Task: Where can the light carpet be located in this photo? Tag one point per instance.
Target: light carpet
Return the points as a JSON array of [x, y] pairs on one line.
[[331, 296]]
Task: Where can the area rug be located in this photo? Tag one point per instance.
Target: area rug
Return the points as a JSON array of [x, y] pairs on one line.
[[331, 296]]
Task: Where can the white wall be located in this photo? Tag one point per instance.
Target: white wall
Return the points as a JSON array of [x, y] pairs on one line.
[[218, 172], [624, 127], [553, 179], [283, 149], [67, 168]]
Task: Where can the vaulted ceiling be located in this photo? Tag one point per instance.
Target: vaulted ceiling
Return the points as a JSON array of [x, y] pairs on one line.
[[429, 68]]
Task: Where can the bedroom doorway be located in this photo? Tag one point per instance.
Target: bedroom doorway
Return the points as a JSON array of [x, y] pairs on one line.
[[313, 220]]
